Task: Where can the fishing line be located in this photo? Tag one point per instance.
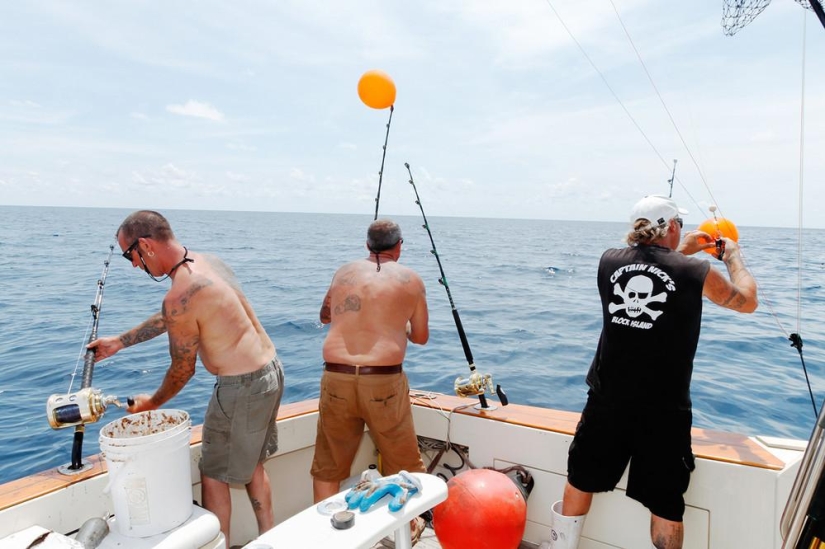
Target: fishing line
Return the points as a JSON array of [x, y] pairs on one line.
[[616, 96], [81, 353], [476, 384], [795, 338], [383, 156], [91, 329], [664, 105], [89, 359]]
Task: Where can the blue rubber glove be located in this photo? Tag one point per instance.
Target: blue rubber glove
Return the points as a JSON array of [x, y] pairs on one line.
[[367, 492]]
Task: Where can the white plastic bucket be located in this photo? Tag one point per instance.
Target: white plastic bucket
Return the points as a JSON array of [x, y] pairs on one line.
[[150, 477]]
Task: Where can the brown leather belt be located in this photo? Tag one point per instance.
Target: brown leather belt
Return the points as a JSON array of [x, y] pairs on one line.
[[361, 370]]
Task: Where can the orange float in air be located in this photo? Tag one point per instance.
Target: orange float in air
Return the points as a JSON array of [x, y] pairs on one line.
[[376, 89]]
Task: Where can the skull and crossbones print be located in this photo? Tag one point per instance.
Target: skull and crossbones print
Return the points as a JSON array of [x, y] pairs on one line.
[[636, 296]]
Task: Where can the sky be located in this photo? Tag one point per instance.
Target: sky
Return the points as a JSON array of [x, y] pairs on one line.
[[499, 111]]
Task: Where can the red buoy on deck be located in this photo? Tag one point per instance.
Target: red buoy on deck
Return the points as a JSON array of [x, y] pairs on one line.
[[484, 510]]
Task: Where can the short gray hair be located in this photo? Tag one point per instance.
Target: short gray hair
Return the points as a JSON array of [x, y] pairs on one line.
[[144, 224], [382, 235]]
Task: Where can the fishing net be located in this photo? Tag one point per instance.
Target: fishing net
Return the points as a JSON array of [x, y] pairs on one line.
[[736, 14]]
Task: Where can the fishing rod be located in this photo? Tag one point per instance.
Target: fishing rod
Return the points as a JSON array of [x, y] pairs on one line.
[[88, 404], [383, 157], [477, 383]]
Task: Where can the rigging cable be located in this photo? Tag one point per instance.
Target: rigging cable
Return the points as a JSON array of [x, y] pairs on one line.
[[795, 338], [664, 105], [615, 95]]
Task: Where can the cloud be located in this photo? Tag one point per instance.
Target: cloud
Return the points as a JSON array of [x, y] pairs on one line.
[[197, 109], [167, 177], [238, 146], [25, 103], [237, 177], [297, 174]]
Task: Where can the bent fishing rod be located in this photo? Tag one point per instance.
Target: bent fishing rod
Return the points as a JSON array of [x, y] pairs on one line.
[[476, 383], [88, 404], [383, 157]]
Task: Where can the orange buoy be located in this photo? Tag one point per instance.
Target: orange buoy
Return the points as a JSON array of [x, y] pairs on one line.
[[376, 89], [484, 510], [718, 228]]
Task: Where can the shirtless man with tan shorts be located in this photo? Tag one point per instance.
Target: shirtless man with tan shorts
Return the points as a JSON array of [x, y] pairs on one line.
[[206, 315], [374, 306]]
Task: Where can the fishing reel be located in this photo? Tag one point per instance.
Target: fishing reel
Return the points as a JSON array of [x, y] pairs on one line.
[[85, 406], [477, 385]]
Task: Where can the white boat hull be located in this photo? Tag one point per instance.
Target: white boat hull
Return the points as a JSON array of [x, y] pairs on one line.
[[736, 496]]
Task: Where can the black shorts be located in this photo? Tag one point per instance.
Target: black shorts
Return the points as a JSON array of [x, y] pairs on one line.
[[655, 442]]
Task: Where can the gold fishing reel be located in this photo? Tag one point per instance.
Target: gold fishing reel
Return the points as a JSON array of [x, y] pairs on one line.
[[84, 406], [476, 384]]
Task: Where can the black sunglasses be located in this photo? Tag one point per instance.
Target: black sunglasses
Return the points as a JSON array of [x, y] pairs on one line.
[[128, 253], [680, 222]]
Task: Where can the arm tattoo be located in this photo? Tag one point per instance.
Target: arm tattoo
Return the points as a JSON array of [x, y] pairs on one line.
[[152, 327], [737, 273], [184, 301], [735, 300], [183, 350], [351, 303], [736, 269]]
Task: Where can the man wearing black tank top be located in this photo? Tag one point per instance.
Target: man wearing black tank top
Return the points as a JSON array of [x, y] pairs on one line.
[[638, 408]]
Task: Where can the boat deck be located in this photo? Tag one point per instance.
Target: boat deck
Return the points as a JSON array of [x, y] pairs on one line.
[[429, 541]]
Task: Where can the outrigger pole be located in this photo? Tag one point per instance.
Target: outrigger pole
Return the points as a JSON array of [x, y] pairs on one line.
[[816, 6], [672, 177], [443, 280], [383, 156]]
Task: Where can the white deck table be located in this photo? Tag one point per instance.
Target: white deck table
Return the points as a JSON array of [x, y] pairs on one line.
[[312, 528]]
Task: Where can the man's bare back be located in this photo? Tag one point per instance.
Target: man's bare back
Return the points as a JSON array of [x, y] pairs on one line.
[[373, 313], [374, 307], [206, 309]]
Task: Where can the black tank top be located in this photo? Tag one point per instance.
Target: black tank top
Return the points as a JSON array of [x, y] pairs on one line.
[[652, 310]]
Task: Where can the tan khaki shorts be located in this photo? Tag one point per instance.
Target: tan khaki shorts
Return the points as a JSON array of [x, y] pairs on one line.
[[348, 402], [240, 429]]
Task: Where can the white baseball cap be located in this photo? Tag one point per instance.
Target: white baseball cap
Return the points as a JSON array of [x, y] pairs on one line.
[[658, 210]]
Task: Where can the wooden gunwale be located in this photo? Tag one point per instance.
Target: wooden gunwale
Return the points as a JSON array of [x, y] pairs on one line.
[[715, 445]]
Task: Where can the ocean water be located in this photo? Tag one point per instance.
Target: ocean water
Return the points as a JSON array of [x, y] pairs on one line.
[[525, 291]]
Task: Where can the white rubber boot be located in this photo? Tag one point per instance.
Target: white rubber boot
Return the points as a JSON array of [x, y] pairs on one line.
[[564, 531]]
